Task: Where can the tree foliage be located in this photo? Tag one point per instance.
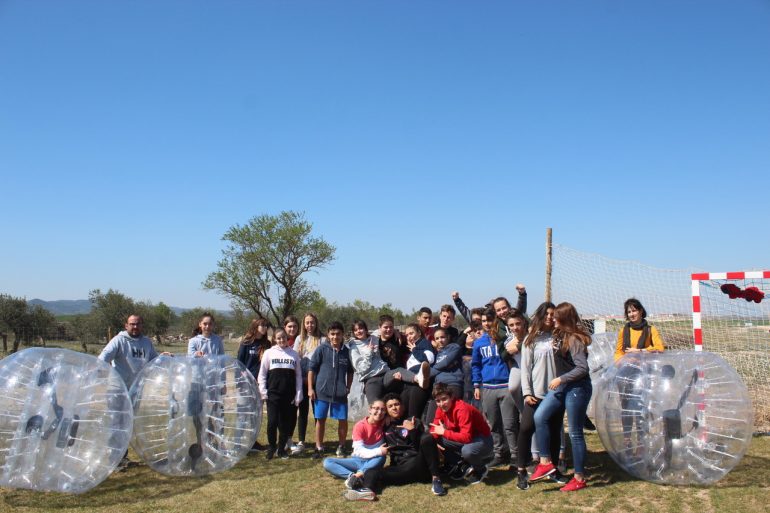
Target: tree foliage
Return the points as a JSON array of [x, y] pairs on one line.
[[109, 311], [264, 265], [27, 323]]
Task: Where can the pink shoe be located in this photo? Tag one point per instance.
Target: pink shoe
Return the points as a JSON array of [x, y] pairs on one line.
[[573, 485], [542, 471]]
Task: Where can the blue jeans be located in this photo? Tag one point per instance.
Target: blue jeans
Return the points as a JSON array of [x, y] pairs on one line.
[[343, 467], [578, 395], [574, 397], [477, 453]]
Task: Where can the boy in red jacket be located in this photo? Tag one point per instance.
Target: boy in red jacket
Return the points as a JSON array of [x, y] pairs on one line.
[[463, 433]]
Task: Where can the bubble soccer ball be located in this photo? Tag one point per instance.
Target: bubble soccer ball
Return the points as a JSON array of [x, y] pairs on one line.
[[358, 406], [65, 420], [674, 417], [194, 416], [601, 354]]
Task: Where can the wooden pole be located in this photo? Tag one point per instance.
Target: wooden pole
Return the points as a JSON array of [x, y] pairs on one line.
[[548, 263]]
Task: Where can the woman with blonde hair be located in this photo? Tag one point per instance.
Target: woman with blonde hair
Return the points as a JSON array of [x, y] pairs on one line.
[[305, 344]]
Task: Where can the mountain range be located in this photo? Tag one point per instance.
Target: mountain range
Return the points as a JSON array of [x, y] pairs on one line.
[[77, 306]]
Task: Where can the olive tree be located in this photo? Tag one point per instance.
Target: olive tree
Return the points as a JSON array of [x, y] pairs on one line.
[[264, 264]]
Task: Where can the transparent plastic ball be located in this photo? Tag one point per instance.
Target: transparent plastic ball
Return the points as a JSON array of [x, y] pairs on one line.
[[194, 416], [680, 417], [358, 406], [65, 420], [601, 354]]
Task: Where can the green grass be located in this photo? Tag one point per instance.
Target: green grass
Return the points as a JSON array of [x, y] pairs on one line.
[[300, 484]]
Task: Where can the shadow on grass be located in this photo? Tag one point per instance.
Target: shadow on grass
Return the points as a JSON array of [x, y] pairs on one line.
[[138, 484]]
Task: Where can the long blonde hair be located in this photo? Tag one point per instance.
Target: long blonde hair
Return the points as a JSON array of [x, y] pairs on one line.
[[308, 342]]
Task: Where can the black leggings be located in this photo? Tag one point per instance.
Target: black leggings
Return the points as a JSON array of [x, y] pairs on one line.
[[418, 468], [304, 406], [414, 398], [374, 389], [281, 417], [527, 429]]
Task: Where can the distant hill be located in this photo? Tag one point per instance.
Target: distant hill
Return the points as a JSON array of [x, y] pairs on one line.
[[83, 306], [64, 306]]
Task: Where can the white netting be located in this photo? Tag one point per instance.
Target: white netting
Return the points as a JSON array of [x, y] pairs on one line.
[[738, 329], [598, 286]]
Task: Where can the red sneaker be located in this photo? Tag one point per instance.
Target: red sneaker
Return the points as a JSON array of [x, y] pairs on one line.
[[573, 485], [542, 471]]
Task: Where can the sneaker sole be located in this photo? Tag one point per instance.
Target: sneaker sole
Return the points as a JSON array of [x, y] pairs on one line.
[[543, 477], [355, 495]]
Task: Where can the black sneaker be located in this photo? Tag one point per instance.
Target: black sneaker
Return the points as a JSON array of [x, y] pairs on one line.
[[522, 481], [282, 454], [318, 454], [496, 462], [558, 477], [477, 475], [352, 482], [270, 453], [257, 447], [459, 472], [437, 488]]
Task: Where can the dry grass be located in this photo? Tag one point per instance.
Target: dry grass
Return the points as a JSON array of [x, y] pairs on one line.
[[300, 484]]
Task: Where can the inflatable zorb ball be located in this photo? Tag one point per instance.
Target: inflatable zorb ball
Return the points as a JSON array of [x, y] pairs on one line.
[[674, 417], [358, 406], [194, 416], [65, 420], [601, 354]]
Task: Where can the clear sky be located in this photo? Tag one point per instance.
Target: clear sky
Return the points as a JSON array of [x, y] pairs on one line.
[[432, 142]]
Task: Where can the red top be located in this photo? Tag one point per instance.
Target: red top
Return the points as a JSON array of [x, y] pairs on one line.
[[462, 422], [369, 434]]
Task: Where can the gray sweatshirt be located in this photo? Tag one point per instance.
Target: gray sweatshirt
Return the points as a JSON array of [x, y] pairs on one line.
[[128, 355], [366, 362], [538, 366], [208, 346]]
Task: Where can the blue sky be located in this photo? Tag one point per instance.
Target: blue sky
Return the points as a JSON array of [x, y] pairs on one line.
[[432, 142]]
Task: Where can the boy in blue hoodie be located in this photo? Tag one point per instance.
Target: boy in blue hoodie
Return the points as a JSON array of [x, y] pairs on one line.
[[329, 378], [490, 382]]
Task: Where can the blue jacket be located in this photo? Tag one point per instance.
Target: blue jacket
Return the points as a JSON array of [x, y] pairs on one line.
[[423, 352], [448, 367], [331, 368], [488, 370]]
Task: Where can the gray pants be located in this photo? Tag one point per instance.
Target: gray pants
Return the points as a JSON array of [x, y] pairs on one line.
[[476, 453], [503, 417], [407, 376]]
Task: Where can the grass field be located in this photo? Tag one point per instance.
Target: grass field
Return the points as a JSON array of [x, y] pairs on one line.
[[300, 484]]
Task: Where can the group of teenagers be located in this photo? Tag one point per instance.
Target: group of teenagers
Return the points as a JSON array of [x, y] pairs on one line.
[[526, 372]]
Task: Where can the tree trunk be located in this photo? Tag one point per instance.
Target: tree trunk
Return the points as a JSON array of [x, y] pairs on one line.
[[16, 342], [5, 341]]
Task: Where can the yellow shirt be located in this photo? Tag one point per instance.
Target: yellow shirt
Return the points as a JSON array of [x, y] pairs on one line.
[[653, 342]]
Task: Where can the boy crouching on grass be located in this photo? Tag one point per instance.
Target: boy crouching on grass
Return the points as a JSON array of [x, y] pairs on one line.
[[329, 378], [463, 433]]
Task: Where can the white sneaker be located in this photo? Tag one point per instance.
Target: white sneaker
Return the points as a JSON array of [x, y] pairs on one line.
[[423, 376], [297, 448]]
